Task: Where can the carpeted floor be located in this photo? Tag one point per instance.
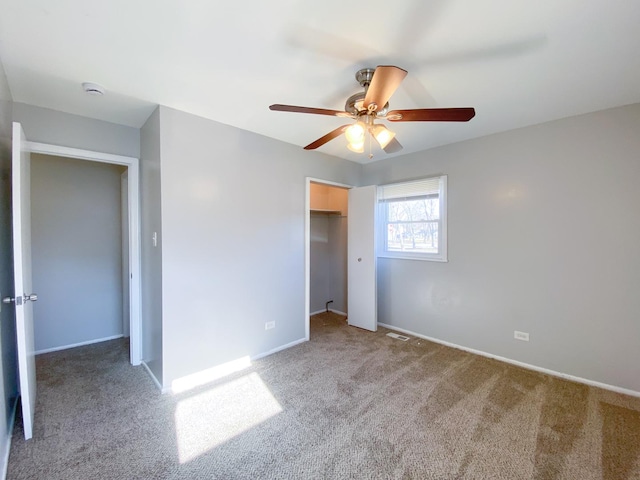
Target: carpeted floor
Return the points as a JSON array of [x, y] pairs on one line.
[[349, 404]]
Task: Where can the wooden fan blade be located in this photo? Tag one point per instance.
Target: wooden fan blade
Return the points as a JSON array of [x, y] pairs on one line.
[[393, 146], [432, 115], [386, 79], [327, 138], [318, 111]]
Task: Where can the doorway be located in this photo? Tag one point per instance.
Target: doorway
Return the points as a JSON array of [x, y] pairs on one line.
[[130, 212], [77, 246], [326, 248]]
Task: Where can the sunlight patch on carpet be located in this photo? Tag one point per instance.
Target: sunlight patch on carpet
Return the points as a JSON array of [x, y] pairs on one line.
[[219, 414], [209, 375]]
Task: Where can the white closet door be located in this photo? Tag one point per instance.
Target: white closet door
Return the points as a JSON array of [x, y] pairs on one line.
[[362, 258]]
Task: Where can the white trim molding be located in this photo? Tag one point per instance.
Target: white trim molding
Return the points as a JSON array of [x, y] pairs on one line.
[[566, 376], [69, 152], [212, 374], [80, 344], [153, 377], [331, 310], [278, 349]]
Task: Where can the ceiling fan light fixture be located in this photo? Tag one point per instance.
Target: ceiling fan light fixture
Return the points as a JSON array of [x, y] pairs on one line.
[[355, 133], [356, 147], [382, 135]]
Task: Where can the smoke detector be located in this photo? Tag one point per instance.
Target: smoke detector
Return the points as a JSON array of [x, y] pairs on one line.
[[93, 88]]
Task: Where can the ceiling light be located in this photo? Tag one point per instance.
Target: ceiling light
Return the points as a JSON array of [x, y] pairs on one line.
[[356, 147], [93, 88], [355, 133], [382, 135]]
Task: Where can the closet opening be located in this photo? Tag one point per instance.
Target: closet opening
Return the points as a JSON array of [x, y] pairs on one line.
[[326, 250]]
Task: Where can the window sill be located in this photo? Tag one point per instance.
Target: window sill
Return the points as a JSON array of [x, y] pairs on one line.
[[413, 257]]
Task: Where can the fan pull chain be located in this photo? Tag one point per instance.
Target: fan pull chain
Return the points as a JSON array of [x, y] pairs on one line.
[[370, 154]]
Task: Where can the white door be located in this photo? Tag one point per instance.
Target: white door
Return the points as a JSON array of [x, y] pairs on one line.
[[361, 261], [23, 297]]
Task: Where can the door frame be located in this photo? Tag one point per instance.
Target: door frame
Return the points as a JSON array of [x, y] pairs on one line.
[[126, 276], [307, 244], [133, 191]]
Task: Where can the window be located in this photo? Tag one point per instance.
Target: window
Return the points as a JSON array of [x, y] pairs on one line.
[[413, 219]]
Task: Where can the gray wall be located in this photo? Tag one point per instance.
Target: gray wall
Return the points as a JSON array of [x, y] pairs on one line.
[[76, 235], [543, 237], [8, 366], [233, 209], [151, 220], [57, 128]]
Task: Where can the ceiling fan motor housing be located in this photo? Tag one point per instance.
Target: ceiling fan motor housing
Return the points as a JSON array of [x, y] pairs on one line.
[[364, 76], [355, 105]]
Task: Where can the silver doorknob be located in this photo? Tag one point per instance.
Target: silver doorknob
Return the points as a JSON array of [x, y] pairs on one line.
[[8, 300], [33, 297]]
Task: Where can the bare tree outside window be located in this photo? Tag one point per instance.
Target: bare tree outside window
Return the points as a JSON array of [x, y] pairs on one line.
[[413, 224]]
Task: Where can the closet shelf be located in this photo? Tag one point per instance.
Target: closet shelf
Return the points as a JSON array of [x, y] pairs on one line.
[[321, 211]]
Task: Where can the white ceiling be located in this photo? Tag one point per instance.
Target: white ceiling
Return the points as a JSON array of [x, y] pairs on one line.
[[517, 62]]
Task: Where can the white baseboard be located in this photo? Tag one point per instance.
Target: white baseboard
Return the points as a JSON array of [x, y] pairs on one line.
[[331, 310], [528, 366], [7, 446], [278, 349], [212, 374], [81, 344], [153, 377]]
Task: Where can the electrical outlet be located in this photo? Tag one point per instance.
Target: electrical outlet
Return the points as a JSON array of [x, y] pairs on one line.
[[269, 325], [521, 336]]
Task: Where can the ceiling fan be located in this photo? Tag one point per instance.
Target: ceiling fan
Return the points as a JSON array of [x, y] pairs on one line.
[[365, 107]]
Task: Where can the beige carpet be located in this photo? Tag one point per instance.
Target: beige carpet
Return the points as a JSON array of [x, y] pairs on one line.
[[349, 404]]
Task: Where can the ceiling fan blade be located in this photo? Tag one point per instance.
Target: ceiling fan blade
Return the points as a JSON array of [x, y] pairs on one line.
[[385, 81], [432, 115], [327, 138], [317, 111], [393, 146]]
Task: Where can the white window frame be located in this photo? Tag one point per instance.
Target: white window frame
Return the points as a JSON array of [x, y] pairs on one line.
[[442, 254]]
